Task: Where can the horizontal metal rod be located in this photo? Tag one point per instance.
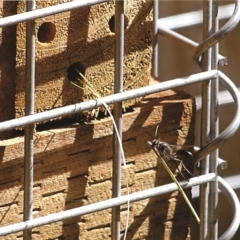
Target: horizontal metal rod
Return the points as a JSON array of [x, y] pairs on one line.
[[185, 42], [224, 99], [79, 107], [44, 12], [193, 18], [165, 25], [113, 202], [232, 181]]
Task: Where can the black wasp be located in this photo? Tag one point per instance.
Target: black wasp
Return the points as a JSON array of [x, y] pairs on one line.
[[172, 153]]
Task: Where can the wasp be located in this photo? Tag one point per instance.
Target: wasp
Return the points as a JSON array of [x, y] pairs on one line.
[[172, 153]]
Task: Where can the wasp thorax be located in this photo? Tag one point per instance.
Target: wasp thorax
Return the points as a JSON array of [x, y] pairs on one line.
[[172, 153], [162, 147]]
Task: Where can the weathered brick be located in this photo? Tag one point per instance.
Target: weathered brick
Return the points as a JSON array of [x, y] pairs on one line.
[[73, 168]]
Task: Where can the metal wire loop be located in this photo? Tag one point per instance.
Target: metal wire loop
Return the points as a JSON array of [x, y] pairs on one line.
[[218, 36]]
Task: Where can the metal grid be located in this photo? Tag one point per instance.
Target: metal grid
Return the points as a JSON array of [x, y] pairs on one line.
[[206, 55]]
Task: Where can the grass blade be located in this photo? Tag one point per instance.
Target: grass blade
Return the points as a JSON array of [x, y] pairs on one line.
[[94, 91], [176, 181]]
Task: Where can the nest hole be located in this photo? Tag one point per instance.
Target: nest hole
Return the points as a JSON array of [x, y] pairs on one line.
[[75, 70], [46, 32], [111, 23]]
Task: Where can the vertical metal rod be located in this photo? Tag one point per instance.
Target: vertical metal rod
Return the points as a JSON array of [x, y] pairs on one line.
[[155, 61], [118, 87], [214, 132], [205, 121], [29, 110]]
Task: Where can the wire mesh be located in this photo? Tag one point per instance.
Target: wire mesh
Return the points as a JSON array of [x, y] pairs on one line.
[[209, 77]]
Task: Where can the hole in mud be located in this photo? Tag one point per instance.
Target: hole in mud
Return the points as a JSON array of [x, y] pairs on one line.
[[111, 23], [74, 70], [46, 32]]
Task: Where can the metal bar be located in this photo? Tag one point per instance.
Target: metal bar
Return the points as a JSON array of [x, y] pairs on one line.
[[155, 61], [113, 202], [205, 121], [219, 35], [232, 127], [118, 88], [44, 12], [232, 181], [186, 42], [29, 110], [224, 98], [173, 22], [227, 190], [193, 18], [214, 132], [135, 93], [115, 98], [234, 201]]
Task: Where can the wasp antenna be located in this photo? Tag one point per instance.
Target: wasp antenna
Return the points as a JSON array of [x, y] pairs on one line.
[[156, 131]]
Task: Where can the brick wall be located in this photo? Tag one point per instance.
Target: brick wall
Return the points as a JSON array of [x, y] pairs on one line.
[[73, 167]]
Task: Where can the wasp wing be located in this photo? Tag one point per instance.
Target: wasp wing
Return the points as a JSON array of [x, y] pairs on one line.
[[182, 152], [179, 155]]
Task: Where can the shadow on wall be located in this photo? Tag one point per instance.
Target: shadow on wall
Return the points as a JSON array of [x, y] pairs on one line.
[[7, 65], [73, 168], [83, 41]]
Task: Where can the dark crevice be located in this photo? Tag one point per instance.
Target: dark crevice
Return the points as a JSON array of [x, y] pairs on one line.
[[9, 180], [146, 169], [70, 121], [79, 152], [76, 200], [9, 204], [77, 176], [53, 193], [90, 183], [98, 227]]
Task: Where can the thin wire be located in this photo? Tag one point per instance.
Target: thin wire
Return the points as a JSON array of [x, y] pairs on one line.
[[119, 139]]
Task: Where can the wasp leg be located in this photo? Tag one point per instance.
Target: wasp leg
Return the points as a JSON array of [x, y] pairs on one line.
[[187, 170], [175, 161]]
